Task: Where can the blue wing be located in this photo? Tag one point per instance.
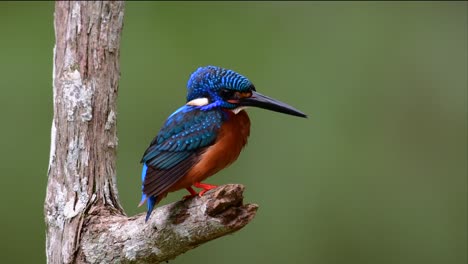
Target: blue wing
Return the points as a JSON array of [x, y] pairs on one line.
[[177, 147]]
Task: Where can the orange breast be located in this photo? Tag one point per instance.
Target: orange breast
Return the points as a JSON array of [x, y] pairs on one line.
[[231, 139]]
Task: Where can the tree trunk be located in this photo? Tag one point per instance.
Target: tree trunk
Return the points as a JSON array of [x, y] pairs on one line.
[[84, 219]]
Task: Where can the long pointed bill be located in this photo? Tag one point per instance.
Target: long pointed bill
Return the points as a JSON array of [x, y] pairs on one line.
[[265, 102]]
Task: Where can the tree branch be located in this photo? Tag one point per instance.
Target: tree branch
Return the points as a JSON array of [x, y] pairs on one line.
[[84, 219], [172, 230]]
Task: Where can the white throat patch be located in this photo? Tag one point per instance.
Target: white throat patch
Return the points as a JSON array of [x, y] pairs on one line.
[[238, 109], [198, 102]]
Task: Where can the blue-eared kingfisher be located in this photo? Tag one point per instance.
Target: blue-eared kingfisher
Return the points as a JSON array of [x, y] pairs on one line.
[[204, 136]]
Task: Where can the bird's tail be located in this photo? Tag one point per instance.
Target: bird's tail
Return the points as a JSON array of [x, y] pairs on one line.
[[151, 201], [150, 205]]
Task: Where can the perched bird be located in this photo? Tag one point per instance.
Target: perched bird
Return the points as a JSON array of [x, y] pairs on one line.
[[204, 136]]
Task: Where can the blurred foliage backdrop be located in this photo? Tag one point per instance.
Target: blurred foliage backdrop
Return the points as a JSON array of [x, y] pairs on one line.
[[377, 174]]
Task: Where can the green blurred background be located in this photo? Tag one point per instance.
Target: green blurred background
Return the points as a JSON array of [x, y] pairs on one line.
[[377, 174]]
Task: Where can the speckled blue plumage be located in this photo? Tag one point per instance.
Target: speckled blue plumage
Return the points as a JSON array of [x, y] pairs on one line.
[[188, 131]]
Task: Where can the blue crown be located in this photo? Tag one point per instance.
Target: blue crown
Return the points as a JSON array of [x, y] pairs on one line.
[[211, 78]]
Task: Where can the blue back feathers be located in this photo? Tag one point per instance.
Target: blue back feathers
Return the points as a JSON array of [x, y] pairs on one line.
[[185, 131], [206, 81]]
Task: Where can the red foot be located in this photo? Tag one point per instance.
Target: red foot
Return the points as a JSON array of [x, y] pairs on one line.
[[204, 186], [192, 192]]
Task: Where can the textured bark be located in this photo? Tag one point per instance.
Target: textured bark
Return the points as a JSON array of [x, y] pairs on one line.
[[84, 219], [172, 229]]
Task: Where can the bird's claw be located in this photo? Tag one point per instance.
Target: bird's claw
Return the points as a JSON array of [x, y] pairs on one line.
[[205, 187], [200, 194], [193, 193]]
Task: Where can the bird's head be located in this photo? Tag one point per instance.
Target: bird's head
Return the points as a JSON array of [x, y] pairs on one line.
[[214, 87]]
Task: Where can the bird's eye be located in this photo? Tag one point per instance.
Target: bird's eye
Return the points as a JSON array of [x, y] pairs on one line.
[[226, 94]]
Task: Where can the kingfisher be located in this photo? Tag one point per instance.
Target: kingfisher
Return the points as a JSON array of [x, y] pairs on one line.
[[204, 136]]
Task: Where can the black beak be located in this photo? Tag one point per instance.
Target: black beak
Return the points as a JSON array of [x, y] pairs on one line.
[[265, 102]]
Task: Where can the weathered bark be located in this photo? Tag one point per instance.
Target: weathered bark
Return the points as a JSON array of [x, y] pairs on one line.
[[84, 219], [172, 230]]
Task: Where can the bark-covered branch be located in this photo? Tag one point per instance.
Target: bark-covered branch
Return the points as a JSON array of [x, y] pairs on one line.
[[84, 219], [172, 229]]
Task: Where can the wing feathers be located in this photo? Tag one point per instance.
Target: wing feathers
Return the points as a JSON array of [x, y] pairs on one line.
[[177, 148], [158, 181]]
